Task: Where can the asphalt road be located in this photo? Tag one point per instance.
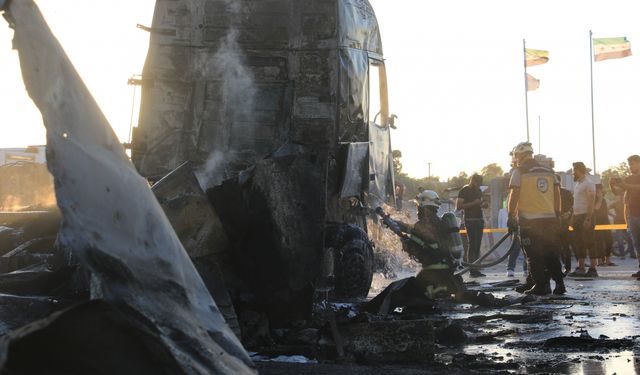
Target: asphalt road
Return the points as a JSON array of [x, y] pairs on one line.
[[606, 310]]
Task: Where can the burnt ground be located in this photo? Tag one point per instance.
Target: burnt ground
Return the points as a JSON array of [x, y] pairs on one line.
[[593, 329]]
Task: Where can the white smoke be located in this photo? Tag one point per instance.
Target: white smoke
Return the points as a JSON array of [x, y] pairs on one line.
[[238, 95], [212, 173]]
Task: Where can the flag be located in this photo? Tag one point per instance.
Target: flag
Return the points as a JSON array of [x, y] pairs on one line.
[[611, 48], [535, 56], [532, 83]]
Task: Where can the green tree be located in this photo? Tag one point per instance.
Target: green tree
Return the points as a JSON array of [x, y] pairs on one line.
[[458, 181], [491, 171], [397, 164], [621, 171]]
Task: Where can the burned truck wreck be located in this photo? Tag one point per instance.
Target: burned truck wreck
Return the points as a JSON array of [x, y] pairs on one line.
[[279, 109]]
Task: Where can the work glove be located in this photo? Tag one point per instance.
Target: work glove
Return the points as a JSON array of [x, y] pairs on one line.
[[512, 224], [393, 226]]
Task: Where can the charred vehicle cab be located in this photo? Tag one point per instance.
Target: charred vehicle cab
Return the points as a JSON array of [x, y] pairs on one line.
[[280, 110]]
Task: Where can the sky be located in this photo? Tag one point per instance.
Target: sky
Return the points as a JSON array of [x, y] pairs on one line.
[[455, 74], [106, 48]]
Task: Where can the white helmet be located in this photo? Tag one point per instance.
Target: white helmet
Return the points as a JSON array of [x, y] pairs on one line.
[[522, 148], [428, 198]]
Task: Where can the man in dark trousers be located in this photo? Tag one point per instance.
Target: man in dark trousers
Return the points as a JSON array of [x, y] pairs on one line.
[[564, 239], [584, 199], [471, 203], [622, 236], [631, 187], [534, 206]]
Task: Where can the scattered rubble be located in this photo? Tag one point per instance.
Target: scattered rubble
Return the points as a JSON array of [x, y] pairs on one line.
[[137, 273], [109, 271]]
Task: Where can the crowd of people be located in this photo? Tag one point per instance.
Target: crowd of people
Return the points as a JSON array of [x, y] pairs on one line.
[[550, 224], [553, 225]]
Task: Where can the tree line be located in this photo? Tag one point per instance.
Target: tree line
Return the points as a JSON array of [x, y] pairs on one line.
[[490, 171]]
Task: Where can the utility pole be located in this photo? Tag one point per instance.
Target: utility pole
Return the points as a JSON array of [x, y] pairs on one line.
[[526, 86], [593, 124], [539, 137], [429, 165]]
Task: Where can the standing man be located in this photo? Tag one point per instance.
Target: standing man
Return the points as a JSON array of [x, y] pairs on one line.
[[534, 206], [622, 236], [603, 241], [471, 203], [564, 237], [584, 198], [399, 195], [515, 252], [631, 187]]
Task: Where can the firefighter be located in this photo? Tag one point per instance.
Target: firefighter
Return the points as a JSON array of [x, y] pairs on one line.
[[426, 228], [429, 241], [534, 208]]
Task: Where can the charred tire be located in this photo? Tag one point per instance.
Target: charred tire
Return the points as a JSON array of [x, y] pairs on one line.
[[353, 268]]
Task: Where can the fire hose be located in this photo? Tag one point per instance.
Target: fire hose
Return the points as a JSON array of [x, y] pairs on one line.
[[391, 224], [478, 265]]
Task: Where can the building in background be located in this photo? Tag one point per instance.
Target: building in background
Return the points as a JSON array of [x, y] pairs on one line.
[[30, 154]]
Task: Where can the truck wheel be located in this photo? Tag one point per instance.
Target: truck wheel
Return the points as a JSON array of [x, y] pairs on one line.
[[353, 267]]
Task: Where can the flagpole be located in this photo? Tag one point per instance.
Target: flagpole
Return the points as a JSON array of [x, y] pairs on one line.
[[593, 126], [526, 85], [539, 137]]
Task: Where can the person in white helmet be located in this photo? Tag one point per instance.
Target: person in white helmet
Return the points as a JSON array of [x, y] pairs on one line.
[[431, 247], [435, 243], [533, 209], [429, 229], [426, 228]]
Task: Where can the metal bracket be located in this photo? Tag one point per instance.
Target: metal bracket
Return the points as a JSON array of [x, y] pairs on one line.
[[155, 30], [137, 80]]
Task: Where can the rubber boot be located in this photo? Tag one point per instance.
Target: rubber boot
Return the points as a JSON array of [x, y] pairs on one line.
[[539, 290], [528, 284], [560, 288], [522, 288]]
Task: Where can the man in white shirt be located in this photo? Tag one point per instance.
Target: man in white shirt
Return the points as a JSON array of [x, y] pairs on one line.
[[584, 194]]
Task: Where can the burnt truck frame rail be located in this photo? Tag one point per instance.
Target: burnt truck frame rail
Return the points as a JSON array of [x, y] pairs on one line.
[[281, 108]]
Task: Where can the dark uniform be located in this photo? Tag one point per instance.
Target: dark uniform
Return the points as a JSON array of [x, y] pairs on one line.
[[603, 241], [537, 220], [433, 254], [436, 277], [564, 239]]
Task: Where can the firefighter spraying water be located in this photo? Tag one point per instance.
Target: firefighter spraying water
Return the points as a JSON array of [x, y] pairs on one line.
[[433, 241], [436, 243]]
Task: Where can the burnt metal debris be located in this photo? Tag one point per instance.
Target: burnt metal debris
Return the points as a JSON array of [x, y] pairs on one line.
[[130, 255]]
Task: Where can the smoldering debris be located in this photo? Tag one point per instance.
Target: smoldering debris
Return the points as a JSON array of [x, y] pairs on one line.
[[390, 341], [18, 311], [81, 340], [113, 223]]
